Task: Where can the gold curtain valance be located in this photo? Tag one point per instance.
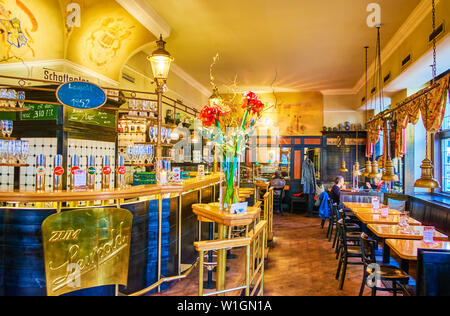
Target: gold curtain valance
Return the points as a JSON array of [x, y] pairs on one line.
[[431, 105]]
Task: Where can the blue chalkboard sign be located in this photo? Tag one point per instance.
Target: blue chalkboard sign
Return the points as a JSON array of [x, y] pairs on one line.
[[81, 95]]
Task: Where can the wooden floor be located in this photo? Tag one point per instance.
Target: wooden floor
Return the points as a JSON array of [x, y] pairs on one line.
[[301, 263]]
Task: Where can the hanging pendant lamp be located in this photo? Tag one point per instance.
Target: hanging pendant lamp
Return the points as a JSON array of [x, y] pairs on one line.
[[356, 170], [427, 180], [343, 167], [374, 173], [341, 142], [368, 168]]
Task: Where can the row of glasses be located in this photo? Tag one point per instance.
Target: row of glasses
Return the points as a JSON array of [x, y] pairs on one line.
[[14, 151], [6, 128], [165, 134], [136, 106], [13, 95], [140, 153]]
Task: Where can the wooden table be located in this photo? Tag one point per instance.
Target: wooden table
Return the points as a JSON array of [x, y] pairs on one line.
[[373, 211], [368, 218], [224, 220], [407, 249], [351, 205], [384, 232]]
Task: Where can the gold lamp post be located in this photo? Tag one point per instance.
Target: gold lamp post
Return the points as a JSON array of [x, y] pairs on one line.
[[160, 61]]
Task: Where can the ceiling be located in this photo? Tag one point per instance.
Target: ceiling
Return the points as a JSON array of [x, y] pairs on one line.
[[290, 45]]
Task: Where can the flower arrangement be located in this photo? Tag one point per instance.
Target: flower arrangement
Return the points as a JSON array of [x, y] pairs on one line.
[[229, 128]]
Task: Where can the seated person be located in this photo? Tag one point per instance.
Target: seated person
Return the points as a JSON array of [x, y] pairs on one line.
[[335, 194], [379, 185], [278, 183]]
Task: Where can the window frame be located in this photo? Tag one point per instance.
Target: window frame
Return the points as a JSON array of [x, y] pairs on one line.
[[439, 139]]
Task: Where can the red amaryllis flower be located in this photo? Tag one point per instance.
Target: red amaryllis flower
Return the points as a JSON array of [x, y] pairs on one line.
[[253, 103], [209, 114]]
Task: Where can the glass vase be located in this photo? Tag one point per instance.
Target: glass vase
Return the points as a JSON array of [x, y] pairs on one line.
[[230, 187]]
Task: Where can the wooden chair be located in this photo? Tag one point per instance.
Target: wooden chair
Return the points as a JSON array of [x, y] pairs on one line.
[[383, 272]]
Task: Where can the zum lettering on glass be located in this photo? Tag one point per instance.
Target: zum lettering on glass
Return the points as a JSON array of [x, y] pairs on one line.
[[86, 248]]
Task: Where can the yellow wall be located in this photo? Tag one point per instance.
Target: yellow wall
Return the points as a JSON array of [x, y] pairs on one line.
[[41, 23], [339, 109], [296, 113], [415, 44], [108, 34]]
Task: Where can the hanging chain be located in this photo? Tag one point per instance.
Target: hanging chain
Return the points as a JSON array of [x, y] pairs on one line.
[[434, 66], [380, 74], [434, 41]]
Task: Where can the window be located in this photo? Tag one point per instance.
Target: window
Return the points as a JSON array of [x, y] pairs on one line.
[[445, 150]]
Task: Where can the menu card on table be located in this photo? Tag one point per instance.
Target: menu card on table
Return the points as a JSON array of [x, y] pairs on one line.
[[385, 212], [428, 234], [239, 208], [375, 203]]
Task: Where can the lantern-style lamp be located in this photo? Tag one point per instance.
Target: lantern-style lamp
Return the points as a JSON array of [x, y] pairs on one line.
[[160, 61], [215, 98]]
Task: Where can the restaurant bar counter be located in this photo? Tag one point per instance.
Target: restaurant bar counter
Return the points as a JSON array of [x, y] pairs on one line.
[[163, 232]]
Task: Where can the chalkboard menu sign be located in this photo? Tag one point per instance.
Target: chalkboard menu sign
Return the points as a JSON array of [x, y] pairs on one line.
[[40, 112], [92, 117]]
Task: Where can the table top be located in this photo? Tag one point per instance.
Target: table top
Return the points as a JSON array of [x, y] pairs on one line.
[[397, 232], [212, 212], [407, 249], [373, 211], [368, 218], [351, 205]]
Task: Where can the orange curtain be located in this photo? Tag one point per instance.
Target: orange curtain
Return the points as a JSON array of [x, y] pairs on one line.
[[433, 106], [400, 133]]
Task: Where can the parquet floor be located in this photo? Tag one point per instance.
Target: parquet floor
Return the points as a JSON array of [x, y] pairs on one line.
[[301, 263]]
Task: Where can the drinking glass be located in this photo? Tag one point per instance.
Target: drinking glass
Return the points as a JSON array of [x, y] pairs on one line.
[[9, 128], [155, 133], [24, 151], [163, 135], [21, 96], [149, 153], [10, 148], [3, 94], [2, 150], [145, 107], [130, 153], [168, 133], [12, 94], [3, 128]]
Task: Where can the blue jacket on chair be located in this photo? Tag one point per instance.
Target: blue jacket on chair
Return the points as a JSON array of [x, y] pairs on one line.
[[324, 209]]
